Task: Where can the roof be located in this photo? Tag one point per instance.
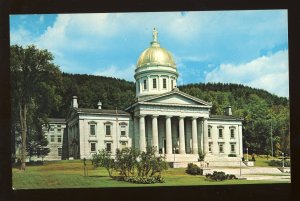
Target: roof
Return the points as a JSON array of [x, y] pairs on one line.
[[143, 99], [225, 117], [56, 120], [100, 111]]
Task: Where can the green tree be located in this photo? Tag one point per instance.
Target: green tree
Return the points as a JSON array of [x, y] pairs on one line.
[[104, 159], [35, 82], [126, 160]]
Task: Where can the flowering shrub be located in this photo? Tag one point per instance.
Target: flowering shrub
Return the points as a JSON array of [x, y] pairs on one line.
[[220, 176]]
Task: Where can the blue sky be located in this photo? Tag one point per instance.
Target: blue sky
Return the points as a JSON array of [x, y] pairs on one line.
[[245, 47]]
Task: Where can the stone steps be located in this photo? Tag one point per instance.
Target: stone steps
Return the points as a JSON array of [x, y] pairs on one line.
[[220, 161], [182, 157], [246, 170]]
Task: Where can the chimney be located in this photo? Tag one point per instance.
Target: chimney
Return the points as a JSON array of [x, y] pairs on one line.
[[75, 104], [99, 105], [227, 111]]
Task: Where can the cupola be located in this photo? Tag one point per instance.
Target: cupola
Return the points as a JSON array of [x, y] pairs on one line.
[[155, 71]]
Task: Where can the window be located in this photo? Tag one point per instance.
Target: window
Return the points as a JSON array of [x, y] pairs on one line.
[[123, 145], [220, 133], [209, 134], [59, 151], [145, 84], [209, 146], [52, 138], [172, 84], [108, 147], [51, 128], [58, 128], [164, 83], [154, 83], [221, 149], [107, 130], [232, 148], [92, 129], [59, 138], [93, 147], [231, 133], [123, 130]]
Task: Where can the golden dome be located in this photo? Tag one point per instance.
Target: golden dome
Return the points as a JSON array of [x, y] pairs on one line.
[[155, 55]]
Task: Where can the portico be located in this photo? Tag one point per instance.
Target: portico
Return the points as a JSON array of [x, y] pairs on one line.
[[172, 123], [175, 133]]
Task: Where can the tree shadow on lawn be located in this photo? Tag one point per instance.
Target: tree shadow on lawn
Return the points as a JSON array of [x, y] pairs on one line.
[[97, 176]]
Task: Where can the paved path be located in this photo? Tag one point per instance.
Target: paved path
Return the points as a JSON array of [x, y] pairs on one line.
[[254, 173]]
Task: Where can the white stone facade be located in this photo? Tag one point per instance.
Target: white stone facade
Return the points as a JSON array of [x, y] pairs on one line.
[[55, 132], [96, 129]]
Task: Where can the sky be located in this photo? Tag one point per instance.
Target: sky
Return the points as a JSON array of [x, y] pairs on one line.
[[244, 47]]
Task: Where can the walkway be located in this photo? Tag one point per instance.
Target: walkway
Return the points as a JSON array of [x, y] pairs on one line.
[[254, 173]]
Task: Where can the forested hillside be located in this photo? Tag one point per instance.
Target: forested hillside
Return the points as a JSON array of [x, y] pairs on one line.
[[259, 109], [90, 89]]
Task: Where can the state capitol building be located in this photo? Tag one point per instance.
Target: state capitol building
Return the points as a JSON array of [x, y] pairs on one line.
[[176, 124]]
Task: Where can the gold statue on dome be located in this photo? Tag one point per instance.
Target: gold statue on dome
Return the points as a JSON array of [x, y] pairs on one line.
[[154, 33]]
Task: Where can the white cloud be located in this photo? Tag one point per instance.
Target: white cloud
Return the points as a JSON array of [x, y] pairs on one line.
[[21, 36], [266, 72], [117, 72]]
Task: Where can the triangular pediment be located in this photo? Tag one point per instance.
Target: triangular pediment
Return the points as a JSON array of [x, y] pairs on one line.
[[176, 97]]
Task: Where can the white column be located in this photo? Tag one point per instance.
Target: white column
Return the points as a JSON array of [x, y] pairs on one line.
[[194, 135], [148, 83], [136, 132], [240, 133], [168, 135], [181, 136], [205, 136], [201, 136], [142, 133], [154, 132], [174, 133]]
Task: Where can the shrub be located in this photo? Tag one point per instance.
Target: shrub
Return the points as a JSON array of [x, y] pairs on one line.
[[193, 169], [231, 155], [142, 180], [278, 163], [220, 176], [35, 162]]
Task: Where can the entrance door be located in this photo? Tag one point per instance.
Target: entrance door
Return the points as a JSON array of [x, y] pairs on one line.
[[165, 146]]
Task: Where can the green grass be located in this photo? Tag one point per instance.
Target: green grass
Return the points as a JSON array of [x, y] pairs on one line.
[[69, 174], [261, 161]]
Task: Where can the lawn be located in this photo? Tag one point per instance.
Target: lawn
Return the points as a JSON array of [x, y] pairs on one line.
[[69, 174], [262, 161]]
